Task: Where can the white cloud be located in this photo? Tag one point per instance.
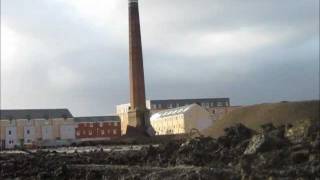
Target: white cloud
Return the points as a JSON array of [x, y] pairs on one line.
[[108, 14]]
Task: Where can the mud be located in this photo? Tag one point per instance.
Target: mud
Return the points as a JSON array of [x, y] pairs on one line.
[[240, 154]]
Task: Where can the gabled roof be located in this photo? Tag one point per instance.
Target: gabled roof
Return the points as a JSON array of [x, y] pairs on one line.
[[171, 112], [97, 119], [34, 113]]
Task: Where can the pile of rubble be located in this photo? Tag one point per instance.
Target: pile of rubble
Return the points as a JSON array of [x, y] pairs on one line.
[[286, 152]]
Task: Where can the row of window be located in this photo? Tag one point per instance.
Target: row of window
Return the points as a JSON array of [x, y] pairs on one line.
[[171, 125], [9, 132], [101, 124], [27, 141], [208, 104], [169, 131], [83, 132]]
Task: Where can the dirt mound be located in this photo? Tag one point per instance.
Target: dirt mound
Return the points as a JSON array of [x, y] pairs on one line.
[[242, 153], [276, 113]]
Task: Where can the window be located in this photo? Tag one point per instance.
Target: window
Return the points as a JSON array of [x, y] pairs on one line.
[[78, 133], [115, 124], [90, 132], [159, 105], [101, 124], [91, 124], [114, 131], [154, 106], [219, 104], [9, 132], [28, 131], [102, 132]]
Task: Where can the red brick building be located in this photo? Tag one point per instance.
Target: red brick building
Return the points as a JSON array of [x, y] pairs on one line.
[[97, 128]]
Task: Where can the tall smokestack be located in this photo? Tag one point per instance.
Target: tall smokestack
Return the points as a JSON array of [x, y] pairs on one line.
[[137, 87], [138, 115]]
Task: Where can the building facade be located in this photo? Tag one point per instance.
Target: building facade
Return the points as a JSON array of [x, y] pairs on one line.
[[97, 128], [216, 106], [181, 120], [33, 127]]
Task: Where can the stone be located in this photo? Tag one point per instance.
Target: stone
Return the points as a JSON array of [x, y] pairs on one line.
[[300, 156], [256, 144], [299, 130], [264, 142], [236, 134]]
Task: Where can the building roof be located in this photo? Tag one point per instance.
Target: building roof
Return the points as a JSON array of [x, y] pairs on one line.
[[34, 113], [97, 119], [172, 112]]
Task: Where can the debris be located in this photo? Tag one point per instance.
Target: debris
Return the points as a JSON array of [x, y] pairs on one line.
[[241, 153]]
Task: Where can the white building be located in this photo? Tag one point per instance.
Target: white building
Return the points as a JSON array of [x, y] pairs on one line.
[[34, 127], [216, 106], [181, 120]]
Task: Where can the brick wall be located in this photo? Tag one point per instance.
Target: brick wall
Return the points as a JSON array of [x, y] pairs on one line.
[[90, 130]]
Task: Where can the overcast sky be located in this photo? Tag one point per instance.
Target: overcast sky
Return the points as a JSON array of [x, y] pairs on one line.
[[74, 53]]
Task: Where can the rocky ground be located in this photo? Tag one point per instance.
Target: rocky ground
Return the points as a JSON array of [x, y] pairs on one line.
[[290, 152]]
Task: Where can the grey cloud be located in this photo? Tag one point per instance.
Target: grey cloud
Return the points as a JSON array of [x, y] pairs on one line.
[[286, 69]]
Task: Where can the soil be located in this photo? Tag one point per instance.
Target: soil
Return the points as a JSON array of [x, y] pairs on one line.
[[240, 154]]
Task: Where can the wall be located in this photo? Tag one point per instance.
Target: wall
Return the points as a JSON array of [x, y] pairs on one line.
[[91, 130], [47, 132], [169, 125], [67, 132], [11, 137], [29, 135], [197, 118], [122, 112]]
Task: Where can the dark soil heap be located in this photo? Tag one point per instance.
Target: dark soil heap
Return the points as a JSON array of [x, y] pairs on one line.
[[290, 152]]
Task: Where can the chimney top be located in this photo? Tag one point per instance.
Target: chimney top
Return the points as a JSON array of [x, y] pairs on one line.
[[133, 1]]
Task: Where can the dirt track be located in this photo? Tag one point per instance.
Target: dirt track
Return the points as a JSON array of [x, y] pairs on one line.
[[240, 154]]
